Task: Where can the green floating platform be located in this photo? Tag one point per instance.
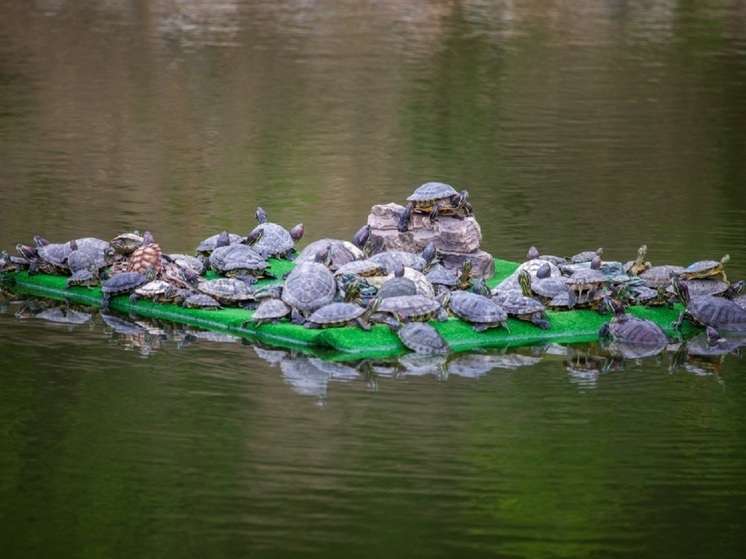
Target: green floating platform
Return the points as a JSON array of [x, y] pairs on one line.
[[350, 342]]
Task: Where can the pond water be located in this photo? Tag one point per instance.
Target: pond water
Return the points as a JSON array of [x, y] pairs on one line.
[[573, 124]]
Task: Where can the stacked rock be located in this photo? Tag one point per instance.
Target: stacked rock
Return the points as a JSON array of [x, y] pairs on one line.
[[437, 213]]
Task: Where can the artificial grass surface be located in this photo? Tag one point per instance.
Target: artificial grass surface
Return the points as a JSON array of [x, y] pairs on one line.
[[567, 327]]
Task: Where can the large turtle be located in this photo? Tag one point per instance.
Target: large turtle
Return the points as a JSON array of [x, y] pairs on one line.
[[229, 291], [395, 311], [239, 260], [423, 338], [478, 310], [660, 276], [340, 252], [519, 306], [50, 258], [709, 310], [126, 282], [309, 286], [435, 198], [271, 240], [630, 329]]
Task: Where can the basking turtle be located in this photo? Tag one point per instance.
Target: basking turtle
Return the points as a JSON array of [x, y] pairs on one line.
[[338, 314], [393, 258], [478, 310], [52, 259], [442, 278], [309, 287], [525, 308], [423, 338], [123, 283], [201, 301], [187, 261], [271, 240], [360, 238], [629, 329], [205, 248], [394, 311], [239, 260], [660, 276], [146, 257], [364, 268], [125, 244], [708, 310], [158, 291], [229, 291], [397, 286], [699, 287], [435, 198], [585, 256], [340, 253], [544, 289], [269, 310], [638, 265], [706, 269], [87, 277], [586, 280]]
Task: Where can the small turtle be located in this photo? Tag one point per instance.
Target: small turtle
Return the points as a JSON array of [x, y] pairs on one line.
[[147, 256], [544, 289], [87, 277], [423, 338], [201, 301], [271, 240], [585, 256], [394, 311], [158, 291], [397, 286], [121, 284], [478, 310], [705, 269], [239, 259], [229, 291], [442, 278], [309, 287], [205, 248], [525, 308], [339, 314], [125, 244], [187, 261], [269, 310], [586, 281], [637, 266], [708, 310], [629, 329], [660, 276], [435, 198]]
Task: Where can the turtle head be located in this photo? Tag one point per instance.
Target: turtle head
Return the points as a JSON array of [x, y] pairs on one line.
[[480, 288], [460, 200], [147, 238], [614, 306], [725, 259], [532, 253], [361, 237], [323, 256], [260, 215], [253, 237], [223, 240], [681, 290], [524, 280], [296, 233]]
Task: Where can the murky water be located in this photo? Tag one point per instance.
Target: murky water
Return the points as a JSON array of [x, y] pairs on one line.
[[574, 125]]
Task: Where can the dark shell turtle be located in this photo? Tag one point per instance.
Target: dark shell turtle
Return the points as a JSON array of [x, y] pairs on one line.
[[83, 258], [708, 310], [365, 268], [394, 258], [340, 314], [147, 257], [271, 240], [205, 248], [269, 310], [52, 259], [525, 308], [309, 287], [85, 277], [201, 301], [478, 310], [660, 276], [644, 295], [412, 308], [699, 287], [423, 338], [121, 284], [545, 289], [435, 198], [187, 261], [586, 280], [585, 256], [340, 252], [440, 276], [705, 269], [398, 286], [629, 329], [237, 260], [229, 291]]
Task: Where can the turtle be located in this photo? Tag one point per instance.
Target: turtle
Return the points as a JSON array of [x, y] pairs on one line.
[[271, 240], [121, 284], [544, 289], [699, 287], [392, 258], [644, 295], [585, 256], [630, 329], [205, 248], [709, 310], [442, 278], [184, 277], [361, 237], [83, 258], [229, 291], [522, 307], [478, 310], [88, 277], [533, 253], [201, 301], [423, 338], [365, 268], [187, 261], [639, 264], [705, 269], [586, 280], [338, 314], [660, 276], [239, 259], [146, 257], [126, 243], [157, 291], [269, 310], [435, 198], [340, 252], [309, 286], [409, 308], [397, 286], [52, 259]]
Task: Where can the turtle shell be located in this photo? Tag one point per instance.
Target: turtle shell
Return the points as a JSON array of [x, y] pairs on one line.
[[269, 310], [83, 277], [236, 259], [704, 269], [392, 259], [477, 309], [186, 261], [397, 287], [699, 287], [124, 282], [660, 276], [274, 240], [432, 191], [585, 279], [709, 310], [365, 268], [147, 257], [335, 314], [585, 256], [227, 291], [126, 243], [423, 338], [634, 330], [309, 287], [220, 239], [440, 275], [524, 308], [55, 254], [340, 253], [413, 308], [201, 301]]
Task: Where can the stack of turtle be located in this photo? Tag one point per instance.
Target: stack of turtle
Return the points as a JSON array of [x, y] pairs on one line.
[[435, 213]]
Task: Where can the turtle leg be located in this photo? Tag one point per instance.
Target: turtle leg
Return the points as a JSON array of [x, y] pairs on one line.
[[541, 322], [403, 225], [362, 324]]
